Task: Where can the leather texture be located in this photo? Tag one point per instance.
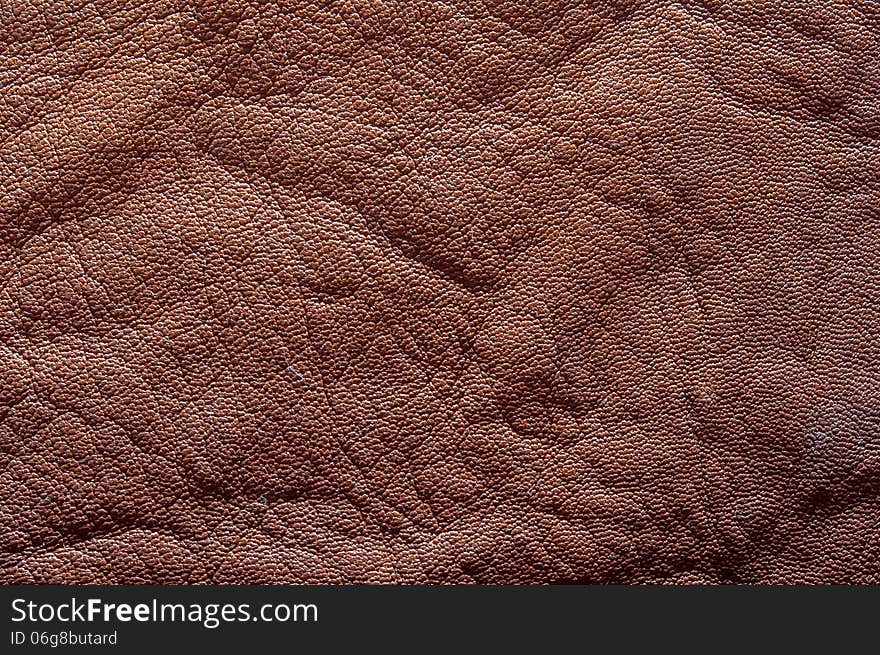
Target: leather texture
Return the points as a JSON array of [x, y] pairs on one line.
[[440, 292]]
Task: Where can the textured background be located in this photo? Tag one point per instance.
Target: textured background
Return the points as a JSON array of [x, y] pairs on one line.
[[424, 291]]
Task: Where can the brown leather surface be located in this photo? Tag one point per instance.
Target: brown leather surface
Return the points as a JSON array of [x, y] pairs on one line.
[[430, 292]]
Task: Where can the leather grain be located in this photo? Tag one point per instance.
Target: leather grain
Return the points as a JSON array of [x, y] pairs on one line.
[[433, 292]]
